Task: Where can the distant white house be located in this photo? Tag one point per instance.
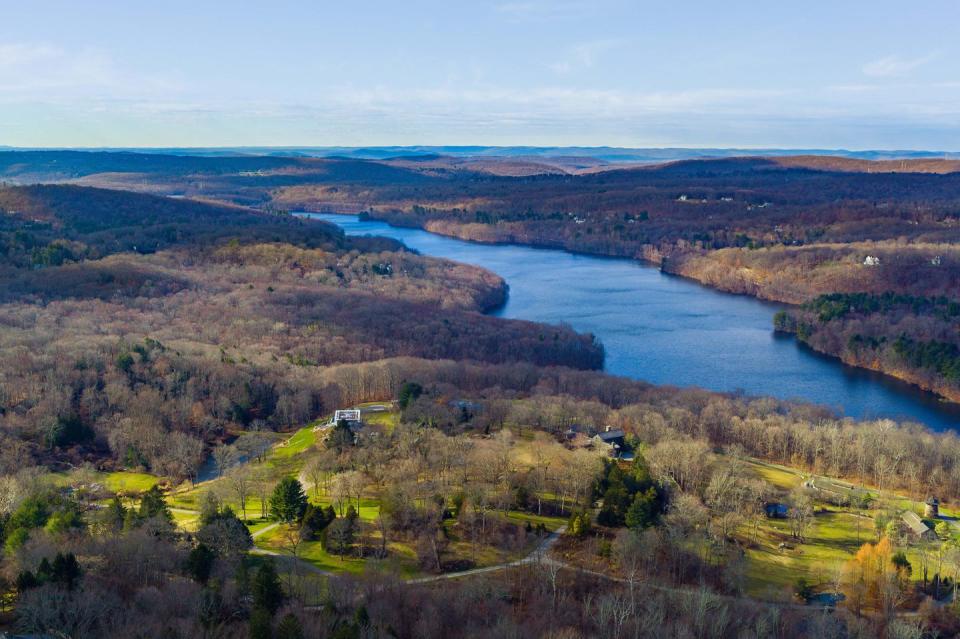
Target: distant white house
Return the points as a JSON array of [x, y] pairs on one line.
[[937, 260], [349, 415], [871, 261]]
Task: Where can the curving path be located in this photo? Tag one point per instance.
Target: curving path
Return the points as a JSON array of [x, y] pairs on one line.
[[538, 555]]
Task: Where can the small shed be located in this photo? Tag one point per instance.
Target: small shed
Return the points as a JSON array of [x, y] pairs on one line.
[[915, 525]]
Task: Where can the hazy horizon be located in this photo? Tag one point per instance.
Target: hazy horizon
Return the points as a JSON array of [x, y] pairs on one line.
[[519, 150], [567, 73]]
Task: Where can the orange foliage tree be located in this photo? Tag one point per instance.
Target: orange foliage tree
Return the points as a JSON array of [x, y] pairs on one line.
[[873, 579]]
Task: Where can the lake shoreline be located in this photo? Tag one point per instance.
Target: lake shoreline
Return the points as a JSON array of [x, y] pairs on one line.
[[662, 262], [850, 370], [652, 261], [948, 396]]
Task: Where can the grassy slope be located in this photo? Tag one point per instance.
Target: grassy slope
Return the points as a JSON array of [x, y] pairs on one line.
[[288, 457], [771, 572], [833, 539]]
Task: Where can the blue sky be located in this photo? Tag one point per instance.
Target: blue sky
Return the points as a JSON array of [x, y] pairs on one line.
[[841, 74]]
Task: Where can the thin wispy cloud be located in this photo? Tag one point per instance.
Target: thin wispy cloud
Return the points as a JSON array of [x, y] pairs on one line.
[[15, 54], [43, 71], [894, 65], [583, 56]]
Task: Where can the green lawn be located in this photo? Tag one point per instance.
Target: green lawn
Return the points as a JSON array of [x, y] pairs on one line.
[[185, 521], [119, 481], [832, 540], [782, 478], [297, 443], [311, 551], [125, 480], [829, 544], [386, 420], [255, 525], [520, 518], [369, 507]]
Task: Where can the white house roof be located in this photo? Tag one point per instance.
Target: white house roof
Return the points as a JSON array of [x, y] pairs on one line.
[[351, 415]]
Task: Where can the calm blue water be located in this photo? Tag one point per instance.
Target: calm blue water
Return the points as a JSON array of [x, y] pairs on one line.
[[668, 330]]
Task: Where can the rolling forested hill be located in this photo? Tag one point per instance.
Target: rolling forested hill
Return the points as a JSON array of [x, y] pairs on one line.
[[783, 228], [216, 317]]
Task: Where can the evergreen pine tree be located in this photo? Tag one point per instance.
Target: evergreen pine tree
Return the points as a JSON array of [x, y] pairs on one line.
[[261, 624], [288, 502], [289, 628], [267, 593]]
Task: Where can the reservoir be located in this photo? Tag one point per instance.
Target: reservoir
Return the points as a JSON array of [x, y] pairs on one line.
[[669, 330]]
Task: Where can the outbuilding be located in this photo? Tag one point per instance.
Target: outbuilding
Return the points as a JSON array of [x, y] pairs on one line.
[[915, 525]]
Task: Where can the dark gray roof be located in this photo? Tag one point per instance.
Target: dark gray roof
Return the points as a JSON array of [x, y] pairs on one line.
[[610, 435]]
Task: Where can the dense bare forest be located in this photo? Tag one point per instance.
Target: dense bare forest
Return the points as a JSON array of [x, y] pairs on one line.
[[213, 319]]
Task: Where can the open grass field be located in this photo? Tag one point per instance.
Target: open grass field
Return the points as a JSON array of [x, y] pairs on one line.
[[128, 481], [834, 537], [521, 518], [780, 477], [830, 541], [300, 441], [185, 520], [402, 557], [386, 420], [121, 481]]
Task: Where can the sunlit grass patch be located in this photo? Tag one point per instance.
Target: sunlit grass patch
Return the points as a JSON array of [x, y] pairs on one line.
[[187, 521], [369, 506], [300, 441], [313, 552], [782, 478], [255, 525], [125, 480], [829, 542], [310, 551], [521, 518], [387, 420]]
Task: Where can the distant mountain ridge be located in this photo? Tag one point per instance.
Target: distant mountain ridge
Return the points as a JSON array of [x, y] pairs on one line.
[[598, 153]]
